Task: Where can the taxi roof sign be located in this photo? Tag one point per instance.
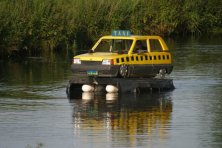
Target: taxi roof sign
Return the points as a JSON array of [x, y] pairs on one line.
[[121, 33]]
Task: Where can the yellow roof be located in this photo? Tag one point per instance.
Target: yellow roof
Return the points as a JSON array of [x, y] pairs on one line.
[[134, 37], [137, 37]]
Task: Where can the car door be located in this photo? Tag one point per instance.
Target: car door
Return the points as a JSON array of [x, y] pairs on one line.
[[141, 59]]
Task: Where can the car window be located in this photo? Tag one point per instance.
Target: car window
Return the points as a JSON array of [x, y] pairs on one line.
[[140, 46], [121, 45], [155, 45], [114, 45], [103, 46]]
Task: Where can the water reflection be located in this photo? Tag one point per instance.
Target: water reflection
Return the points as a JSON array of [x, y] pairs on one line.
[[124, 120], [111, 96], [33, 78]]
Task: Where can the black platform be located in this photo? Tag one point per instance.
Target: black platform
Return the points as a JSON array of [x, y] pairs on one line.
[[124, 85]]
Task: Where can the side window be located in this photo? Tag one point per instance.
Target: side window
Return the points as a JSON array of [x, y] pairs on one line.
[[122, 45], [155, 45], [140, 46]]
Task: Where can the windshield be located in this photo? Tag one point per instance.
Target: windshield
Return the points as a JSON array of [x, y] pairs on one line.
[[114, 45]]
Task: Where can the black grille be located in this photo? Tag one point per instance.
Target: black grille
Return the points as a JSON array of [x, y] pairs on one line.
[[91, 62]]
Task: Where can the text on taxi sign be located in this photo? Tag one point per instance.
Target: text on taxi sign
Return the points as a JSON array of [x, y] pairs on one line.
[[121, 33]]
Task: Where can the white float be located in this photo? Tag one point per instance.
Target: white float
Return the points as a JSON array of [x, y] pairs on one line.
[[111, 89], [87, 88]]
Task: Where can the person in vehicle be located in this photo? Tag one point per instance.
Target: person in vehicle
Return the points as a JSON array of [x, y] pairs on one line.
[[140, 47]]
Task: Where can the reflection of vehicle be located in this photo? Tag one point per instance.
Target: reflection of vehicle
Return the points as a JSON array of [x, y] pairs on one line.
[[125, 55], [146, 115]]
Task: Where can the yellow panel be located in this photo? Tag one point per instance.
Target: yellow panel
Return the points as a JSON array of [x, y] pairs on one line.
[[146, 58]]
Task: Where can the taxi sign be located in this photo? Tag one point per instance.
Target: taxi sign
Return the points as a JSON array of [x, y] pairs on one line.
[[121, 33]]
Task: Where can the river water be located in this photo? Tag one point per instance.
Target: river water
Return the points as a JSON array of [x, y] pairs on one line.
[[35, 112]]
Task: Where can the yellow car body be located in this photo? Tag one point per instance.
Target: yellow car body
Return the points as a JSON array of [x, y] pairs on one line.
[[121, 55]]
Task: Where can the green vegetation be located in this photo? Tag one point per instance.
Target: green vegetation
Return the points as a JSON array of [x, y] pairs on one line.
[[42, 27]]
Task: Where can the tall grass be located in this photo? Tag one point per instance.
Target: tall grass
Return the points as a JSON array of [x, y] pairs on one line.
[[35, 27]]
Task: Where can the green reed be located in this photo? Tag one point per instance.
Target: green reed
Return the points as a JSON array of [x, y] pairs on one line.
[[35, 27]]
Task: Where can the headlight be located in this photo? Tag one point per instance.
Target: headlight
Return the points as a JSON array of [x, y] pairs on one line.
[[76, 61], [107, 62]]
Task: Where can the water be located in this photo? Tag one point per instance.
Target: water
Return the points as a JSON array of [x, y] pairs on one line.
[[34, 110]]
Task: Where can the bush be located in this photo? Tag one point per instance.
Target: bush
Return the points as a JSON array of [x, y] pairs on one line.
[[38, 27]]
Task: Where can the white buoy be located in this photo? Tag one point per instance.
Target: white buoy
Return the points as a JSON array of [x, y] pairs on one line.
[[87, 88], [111, 89], [111, 96], [87, 95]]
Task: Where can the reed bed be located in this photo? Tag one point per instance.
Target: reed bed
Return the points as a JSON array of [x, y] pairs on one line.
[[35, 27]]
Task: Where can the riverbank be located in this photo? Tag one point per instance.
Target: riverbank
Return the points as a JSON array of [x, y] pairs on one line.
[[34, 28]]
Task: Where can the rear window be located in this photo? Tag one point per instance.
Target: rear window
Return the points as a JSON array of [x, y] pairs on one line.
[[155, 45]]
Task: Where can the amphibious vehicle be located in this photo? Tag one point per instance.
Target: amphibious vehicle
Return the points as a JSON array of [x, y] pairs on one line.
[[124, 55]]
